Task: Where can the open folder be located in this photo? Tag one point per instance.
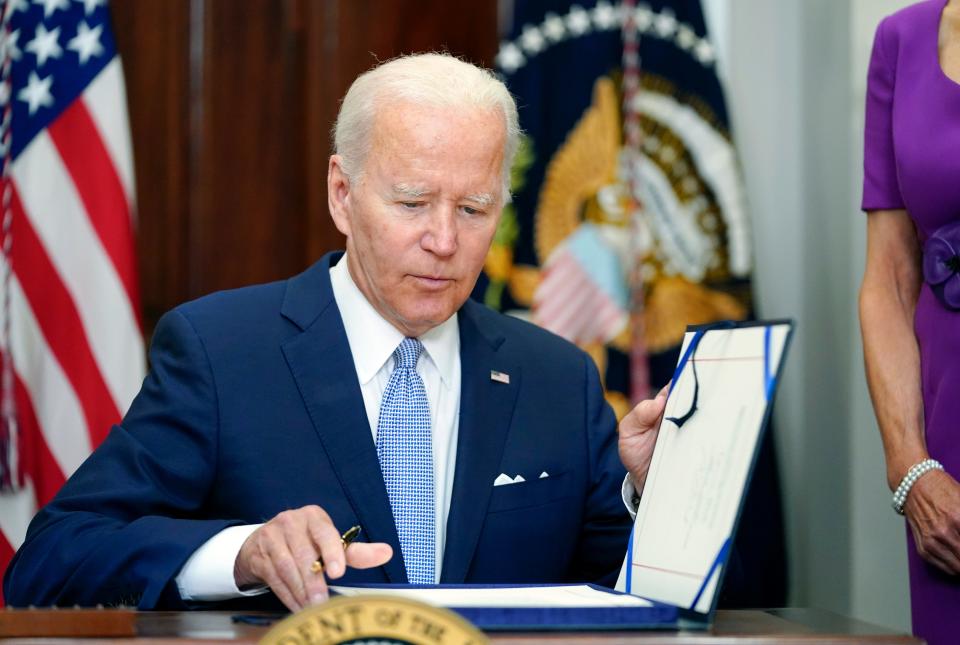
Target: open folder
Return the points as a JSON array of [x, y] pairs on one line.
[[717, 410]]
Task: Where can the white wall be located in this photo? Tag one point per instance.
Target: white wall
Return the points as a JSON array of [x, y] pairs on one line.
[[795, 79], [879, 567]]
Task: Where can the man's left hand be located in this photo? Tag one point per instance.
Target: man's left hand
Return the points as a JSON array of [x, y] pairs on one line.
[[638, 435]]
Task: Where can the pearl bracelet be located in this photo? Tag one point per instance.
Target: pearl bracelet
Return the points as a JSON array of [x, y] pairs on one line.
[[916, 472]]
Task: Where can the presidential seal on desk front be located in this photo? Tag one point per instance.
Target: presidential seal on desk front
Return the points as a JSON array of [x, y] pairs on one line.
[[373, 620]]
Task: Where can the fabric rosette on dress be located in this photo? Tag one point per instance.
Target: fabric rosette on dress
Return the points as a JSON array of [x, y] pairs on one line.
[[941, 265]]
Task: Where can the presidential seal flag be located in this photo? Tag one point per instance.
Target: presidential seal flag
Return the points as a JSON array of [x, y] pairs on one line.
[[73, 354], [628, 219]]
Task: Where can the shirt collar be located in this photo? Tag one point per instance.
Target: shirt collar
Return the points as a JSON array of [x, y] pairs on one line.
[[373, 340]]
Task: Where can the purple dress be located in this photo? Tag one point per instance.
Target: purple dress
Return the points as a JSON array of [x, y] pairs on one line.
[[912, 161]]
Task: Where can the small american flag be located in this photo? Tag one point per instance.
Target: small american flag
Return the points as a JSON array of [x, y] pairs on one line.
[[73, 355]]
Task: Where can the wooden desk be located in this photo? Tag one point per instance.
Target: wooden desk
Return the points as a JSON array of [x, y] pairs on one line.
[[746, 627]]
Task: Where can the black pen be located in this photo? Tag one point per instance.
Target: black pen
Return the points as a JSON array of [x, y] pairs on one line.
[[346, 539]]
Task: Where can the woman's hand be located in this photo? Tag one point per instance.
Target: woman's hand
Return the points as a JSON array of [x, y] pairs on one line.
[[933, 511]]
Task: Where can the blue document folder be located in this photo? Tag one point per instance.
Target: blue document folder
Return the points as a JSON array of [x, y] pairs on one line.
[[717, 410], [531, 616]]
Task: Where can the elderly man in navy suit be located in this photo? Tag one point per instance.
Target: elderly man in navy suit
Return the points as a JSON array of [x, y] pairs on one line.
[[369, 390]]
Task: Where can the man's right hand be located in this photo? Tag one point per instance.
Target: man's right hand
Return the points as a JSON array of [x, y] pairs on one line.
[[280, 554]]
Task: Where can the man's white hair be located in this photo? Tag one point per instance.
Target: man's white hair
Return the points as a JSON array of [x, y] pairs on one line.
[[431, 79]]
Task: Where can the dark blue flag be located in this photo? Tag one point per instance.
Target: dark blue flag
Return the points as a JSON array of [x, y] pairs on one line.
[[628, 220]]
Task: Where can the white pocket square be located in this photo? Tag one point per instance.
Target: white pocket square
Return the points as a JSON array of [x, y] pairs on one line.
[[503, 479]]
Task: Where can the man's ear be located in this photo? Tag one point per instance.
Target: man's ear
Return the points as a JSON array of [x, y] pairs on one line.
[[338, 194]]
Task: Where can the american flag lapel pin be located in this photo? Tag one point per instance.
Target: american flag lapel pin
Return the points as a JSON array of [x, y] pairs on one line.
[[499, 377]]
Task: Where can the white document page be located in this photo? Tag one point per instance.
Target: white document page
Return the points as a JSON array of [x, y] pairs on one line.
[[540, 596], [699, 471]]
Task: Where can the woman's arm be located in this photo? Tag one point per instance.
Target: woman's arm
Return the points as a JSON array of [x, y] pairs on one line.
[[888, 300]]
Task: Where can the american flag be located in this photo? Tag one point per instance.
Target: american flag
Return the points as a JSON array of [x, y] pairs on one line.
[[73, 355], [580, 295]]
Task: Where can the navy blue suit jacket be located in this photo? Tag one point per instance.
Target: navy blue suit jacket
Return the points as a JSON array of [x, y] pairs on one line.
[[252, 407]]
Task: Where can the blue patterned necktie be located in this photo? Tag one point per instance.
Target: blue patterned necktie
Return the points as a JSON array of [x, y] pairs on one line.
[[406, 460]]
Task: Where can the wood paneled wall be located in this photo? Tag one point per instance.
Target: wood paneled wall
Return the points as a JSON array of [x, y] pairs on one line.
[[231, 105]]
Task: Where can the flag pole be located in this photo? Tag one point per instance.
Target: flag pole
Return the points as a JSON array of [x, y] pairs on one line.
[[8, 413], [633, 140]]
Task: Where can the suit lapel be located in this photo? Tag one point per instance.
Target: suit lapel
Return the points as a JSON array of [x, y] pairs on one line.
[[322, 365], [486, 407]]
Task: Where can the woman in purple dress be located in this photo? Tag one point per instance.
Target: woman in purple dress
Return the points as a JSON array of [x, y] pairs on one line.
[[910, 297]]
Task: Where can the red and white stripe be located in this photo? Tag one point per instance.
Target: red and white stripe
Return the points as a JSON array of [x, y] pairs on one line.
[[569, 303], [76, 341]]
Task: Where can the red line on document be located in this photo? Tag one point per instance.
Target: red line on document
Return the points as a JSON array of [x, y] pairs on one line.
[[723, 360], [695, 576]]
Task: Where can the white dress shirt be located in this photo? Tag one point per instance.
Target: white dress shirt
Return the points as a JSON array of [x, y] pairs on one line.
[[208, 573], [372, 343]]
